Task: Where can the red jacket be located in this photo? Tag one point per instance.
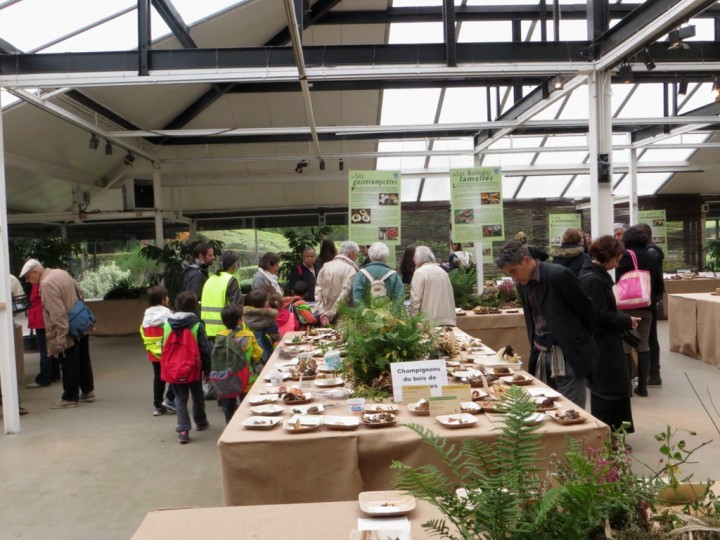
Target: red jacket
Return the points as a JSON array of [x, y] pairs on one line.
[[35, 313]]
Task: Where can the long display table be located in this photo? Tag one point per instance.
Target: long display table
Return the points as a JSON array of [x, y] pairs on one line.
[[687, 286], [316, 521], [277, 467], [693, 326]]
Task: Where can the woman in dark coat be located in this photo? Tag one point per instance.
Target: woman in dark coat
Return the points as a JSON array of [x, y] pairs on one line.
[[407, 265], [571, 253], [636, 240], [610, 382]]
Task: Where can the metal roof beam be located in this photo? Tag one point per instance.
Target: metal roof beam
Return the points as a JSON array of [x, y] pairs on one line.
[[449, 33], [652, 131], [646, 24], [320, 10], [144, 37], [174, 20]]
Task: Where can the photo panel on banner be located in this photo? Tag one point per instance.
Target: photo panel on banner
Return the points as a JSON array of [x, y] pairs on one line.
[[559, 223], [476, 207], [374, 209], [658, 225]]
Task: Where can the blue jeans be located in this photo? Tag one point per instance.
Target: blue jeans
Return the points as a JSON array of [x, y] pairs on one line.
[[182, 395]]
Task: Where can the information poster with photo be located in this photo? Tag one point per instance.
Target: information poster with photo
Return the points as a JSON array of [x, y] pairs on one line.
[[374, 209], [476, 206], [657, 221], [559, 223]]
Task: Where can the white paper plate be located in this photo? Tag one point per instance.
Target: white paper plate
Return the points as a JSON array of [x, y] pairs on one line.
[[316, 408], [329, 383], [285, 376], [341, 423], [382, 407], [306, 423], [470, 407], [414, 409], [261, 422], [508, 379], [457, 421], [537, 391], [267, 410], [386, 503], [262, 399]]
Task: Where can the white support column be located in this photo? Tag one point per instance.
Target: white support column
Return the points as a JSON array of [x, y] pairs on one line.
[[632, 178], [600, 142], [157, 193], [10, 402]]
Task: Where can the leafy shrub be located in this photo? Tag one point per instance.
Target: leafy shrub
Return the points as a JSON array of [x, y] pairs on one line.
[[97, 284]]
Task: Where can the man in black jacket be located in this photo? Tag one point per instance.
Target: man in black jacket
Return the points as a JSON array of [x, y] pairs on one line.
[[559, 318], [195, 273]]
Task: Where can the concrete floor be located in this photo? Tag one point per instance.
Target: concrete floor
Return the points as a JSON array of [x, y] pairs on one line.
[[95, 471]]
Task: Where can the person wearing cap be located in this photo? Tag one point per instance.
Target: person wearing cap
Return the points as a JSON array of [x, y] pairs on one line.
[[58, 293]]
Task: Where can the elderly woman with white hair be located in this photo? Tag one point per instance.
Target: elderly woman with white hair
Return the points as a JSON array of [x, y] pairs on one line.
[[376, 278], [431, 291], [334, 282]]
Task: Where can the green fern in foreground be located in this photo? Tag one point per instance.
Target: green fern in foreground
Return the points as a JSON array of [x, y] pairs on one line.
[[496, 492]]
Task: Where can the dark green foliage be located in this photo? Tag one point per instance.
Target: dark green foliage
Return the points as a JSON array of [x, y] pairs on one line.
[[378, 333], [171, 259], [126, 290], [507, 497], [463, 281], [53, 252]]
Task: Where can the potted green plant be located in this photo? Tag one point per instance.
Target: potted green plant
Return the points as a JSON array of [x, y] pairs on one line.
[[376, 334]]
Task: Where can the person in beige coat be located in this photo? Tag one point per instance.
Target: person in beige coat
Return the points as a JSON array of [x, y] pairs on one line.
[[431, 291], [59, 292], [334, 282]]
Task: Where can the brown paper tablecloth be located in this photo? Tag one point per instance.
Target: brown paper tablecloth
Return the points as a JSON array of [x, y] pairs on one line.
[[693, 326], [497, 331], [687, 286], [277, 467], [316, 521]]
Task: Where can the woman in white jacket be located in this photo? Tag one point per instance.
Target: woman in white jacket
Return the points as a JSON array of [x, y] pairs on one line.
[[431, 291]]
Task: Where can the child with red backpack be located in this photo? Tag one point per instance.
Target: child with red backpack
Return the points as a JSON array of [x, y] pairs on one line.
[[304, 317], [235, 360], [185, 357], [151, 331]]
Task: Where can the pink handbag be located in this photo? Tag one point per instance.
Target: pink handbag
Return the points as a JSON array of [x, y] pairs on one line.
[[632, 290]]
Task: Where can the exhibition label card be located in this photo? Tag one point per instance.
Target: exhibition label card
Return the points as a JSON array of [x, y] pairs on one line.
[[432, 373]]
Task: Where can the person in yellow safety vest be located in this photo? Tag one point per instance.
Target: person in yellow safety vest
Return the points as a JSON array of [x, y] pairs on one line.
[[220, 290]]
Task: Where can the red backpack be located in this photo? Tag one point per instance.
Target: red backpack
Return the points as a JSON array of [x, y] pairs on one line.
[[180, 359]]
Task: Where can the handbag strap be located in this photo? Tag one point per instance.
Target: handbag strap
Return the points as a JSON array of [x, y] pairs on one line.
[[634, 258]]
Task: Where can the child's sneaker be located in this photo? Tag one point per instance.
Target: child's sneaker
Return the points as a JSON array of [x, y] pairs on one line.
[[202, 427], [159, 411], [183, 437], [169, 405]]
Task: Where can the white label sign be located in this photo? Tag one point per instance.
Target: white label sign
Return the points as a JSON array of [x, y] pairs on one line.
[[432, 373]]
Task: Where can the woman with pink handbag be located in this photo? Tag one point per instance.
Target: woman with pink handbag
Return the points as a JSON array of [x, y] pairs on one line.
[[639, 258]]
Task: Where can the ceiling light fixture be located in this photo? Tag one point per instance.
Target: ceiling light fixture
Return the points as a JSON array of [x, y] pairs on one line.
[[129, 159], [322, 164], [682, 86], [341, 165], [94, 142], [716, 88], [676, 37], [558, 83], [108, 148], [300, 166], [647, 60], [625, 73]]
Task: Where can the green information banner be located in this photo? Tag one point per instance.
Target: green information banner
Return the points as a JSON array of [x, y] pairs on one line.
[[476, 205], [657, 221], [559, 223], [374, 209]]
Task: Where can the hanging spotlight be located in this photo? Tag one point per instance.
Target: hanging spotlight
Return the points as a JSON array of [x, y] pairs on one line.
[[129, 159], [341, 165], [108, 148], [647, 60], [675, 37], [558, 83], [682, 86], [322, 164], [94, 142], [625, 73], [300, 166]]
